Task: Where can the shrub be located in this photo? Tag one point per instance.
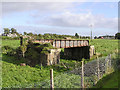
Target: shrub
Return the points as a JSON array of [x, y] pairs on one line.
[[18, 52], [8, 50], [32, 57]]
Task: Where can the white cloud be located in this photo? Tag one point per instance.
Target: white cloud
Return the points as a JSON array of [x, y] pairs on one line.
[[69, 19], [60, 15]]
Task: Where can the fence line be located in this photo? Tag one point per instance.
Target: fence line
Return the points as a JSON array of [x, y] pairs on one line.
[[92, 72]]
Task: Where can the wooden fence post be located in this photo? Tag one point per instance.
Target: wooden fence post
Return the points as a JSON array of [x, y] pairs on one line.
[[98, 68], [82, 75], [110, 61], [51, 80], [106, 65]]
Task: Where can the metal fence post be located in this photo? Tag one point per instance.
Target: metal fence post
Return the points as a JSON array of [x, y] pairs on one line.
[[51, 80]]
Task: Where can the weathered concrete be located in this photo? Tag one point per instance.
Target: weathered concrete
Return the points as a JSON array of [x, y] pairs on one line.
[[92, 50], [77, 53], [51, 58]]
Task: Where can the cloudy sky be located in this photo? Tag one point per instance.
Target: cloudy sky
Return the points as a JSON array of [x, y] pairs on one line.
[[61, 17]]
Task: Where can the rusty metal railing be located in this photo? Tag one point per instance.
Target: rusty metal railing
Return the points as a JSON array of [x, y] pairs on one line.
[[64, 43]]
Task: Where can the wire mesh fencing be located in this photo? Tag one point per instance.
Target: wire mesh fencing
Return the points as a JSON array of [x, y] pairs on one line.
[[93, 71]]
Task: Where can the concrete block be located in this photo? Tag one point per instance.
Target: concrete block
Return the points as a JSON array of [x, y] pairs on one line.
[[52, 58]]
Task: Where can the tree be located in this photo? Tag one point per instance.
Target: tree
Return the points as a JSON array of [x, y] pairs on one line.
[[30, 34], [76, 35], [95, 37], [23, 49], [13, 31], [117, 36], [46, 36], [39, 35], [17, 34], [6, 31], [23, 46], [35, 36], [25, 33]]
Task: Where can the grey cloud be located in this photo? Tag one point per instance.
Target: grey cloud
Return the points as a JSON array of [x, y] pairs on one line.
[[39, 7]]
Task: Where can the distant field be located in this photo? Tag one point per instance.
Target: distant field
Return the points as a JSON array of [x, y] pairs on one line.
[[105, 46], [12, 43], [102, 46]]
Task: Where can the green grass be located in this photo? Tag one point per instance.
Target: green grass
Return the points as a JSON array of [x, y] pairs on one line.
[[109, 81], [17, 76], [20, 76], [105, 46], [12, 43], [14, 75]]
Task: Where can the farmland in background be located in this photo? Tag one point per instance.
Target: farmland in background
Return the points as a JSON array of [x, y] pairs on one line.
[[105, 46], [102, 46], [12, 43]]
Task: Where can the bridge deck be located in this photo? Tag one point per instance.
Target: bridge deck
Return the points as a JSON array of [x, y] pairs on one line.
[[64, 43]]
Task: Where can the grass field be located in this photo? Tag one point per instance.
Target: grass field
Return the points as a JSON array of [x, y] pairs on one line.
[[104, 46], [14, 75], [12, 43]]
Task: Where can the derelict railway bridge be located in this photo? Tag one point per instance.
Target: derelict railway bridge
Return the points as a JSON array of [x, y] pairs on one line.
[[73, 49]]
